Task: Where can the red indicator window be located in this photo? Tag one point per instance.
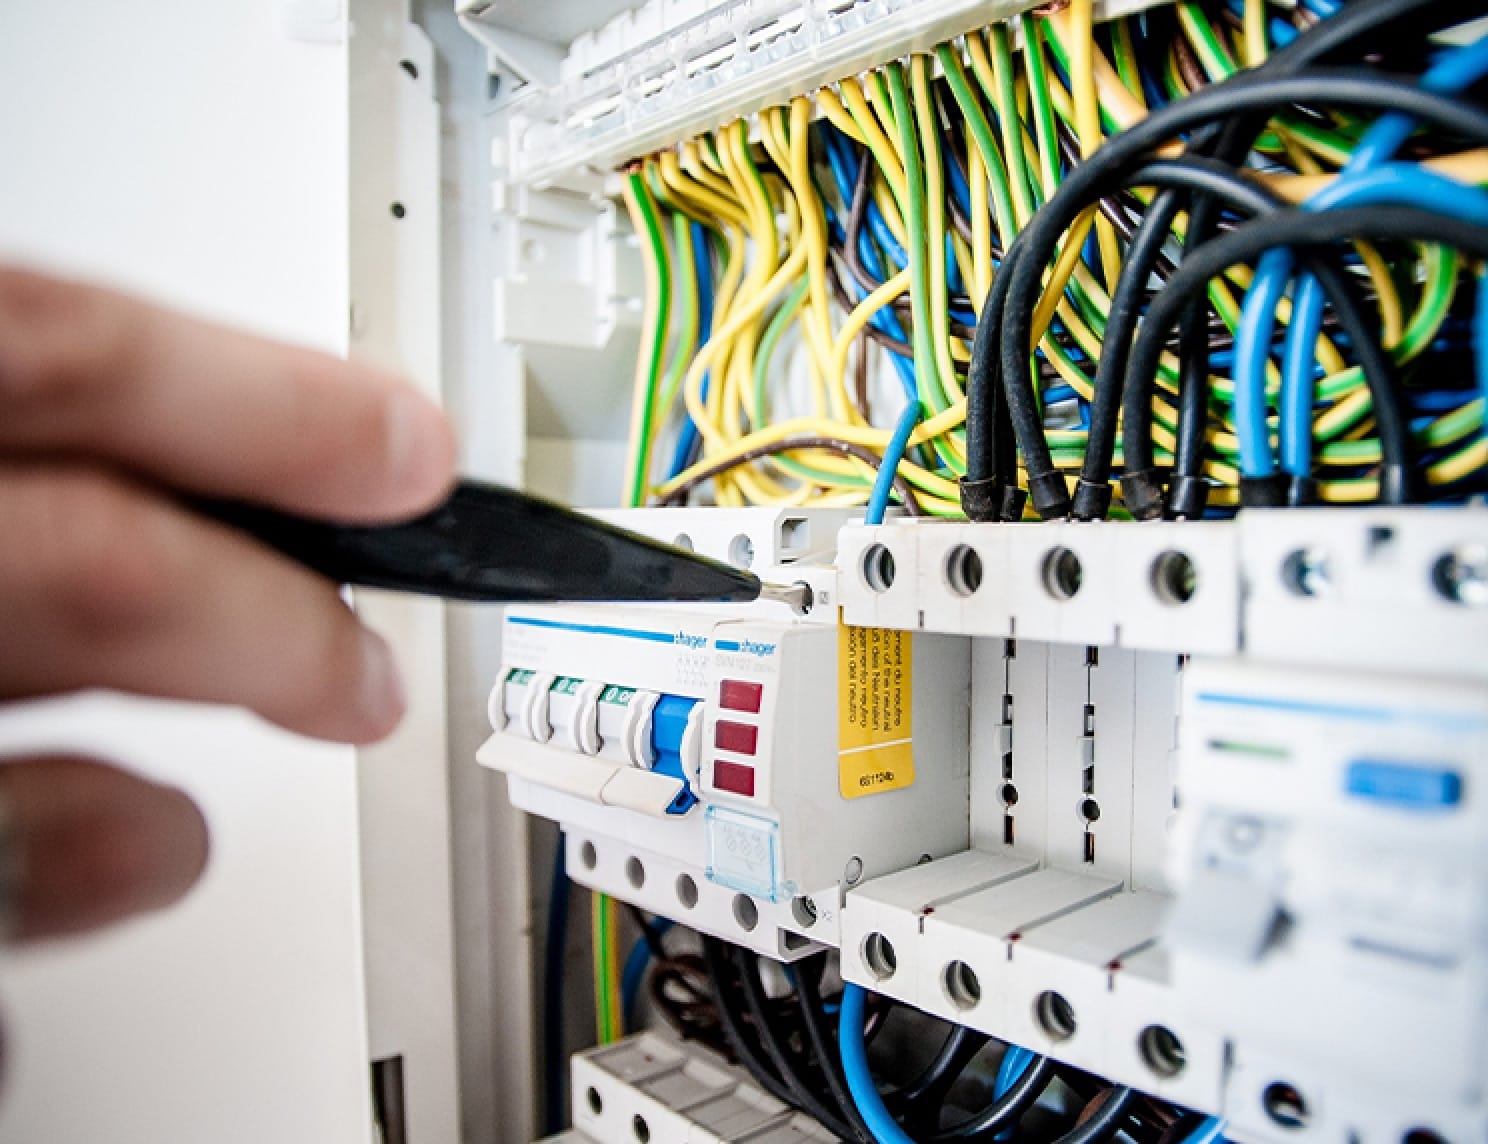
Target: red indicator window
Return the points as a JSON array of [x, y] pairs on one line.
[[735, 778], [741, 738], [737, 695]]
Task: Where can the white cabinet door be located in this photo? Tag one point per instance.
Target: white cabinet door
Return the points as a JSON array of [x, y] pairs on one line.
[[197, 152]]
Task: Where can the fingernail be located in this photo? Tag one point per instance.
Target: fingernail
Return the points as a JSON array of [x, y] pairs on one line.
[[421, 452], [383, 698]]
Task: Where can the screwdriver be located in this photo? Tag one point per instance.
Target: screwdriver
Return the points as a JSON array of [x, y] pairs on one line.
[[498, 545]]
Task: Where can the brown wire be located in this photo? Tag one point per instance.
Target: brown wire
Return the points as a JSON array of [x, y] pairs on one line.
[[860, 378], [1188, 64], [791, 445]]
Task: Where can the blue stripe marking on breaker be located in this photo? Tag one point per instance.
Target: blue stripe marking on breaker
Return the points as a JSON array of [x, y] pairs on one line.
[[1408, 786], [668, 724], [595, 629]]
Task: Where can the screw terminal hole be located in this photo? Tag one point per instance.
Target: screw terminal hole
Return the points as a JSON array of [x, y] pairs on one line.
[[879, 956], [1285, 1105], [640, 1128], [962, 986], [687, 891], [804, 911], [1063, 574], [746, 913], [683, 541], [1461, 576], [1162, 1051], [963, 571], [878, 568], [1305, 572], [635, 872], [1174, 578], [588, 856], [1055, 1015], [594, 1100], [741, 551]]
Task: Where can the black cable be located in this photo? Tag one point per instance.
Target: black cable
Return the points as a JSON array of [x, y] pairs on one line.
[[746, 965], [1104, 170], [936, 1079], [1303, 228], [649, 933], [1222, 185], [806, 974], [1391, 22], [715, 956], [1115, 1111], [989, 491], [1092, 496], [1004, 1112]]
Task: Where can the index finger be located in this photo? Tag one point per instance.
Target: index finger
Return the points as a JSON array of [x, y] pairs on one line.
[[209, 410]]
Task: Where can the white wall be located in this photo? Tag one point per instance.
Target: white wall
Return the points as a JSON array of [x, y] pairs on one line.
[[191, 151]]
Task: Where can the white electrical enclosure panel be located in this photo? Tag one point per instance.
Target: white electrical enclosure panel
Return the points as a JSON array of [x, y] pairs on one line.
[[1151, 832], [1193, 806]]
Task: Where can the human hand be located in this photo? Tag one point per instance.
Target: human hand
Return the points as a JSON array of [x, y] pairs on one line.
[[111, 412]]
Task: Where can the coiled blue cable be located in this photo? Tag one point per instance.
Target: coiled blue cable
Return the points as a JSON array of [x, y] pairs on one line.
[[855, 1069]]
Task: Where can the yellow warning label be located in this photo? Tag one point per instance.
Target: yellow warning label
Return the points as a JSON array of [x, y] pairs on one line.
[[875, 710]]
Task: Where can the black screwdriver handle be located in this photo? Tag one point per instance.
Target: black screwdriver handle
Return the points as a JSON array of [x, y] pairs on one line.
[[495, 544]]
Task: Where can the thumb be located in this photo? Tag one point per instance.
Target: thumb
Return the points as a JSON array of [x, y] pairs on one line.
[[84, 844]]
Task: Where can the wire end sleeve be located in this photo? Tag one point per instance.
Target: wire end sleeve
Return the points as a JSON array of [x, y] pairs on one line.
[[1050, 493], [1264, 492], [1143, 493], [1397, 484], [1303, 491], [1092, 500], [1013, 501], [982, 500], [1188, 497]]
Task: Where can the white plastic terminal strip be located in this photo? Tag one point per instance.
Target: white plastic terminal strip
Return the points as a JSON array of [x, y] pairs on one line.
[[653, 1089], [671, 68], [1161, 587]]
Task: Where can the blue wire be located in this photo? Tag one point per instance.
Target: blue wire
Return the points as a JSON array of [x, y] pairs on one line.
[[883, 483], [1480, 340], [844, 172], [855, 1068], [702, 262], [1388, 183], [1452, 72], [1278, 30], [1014, 1063], [1252, 346], [1211, 1131]]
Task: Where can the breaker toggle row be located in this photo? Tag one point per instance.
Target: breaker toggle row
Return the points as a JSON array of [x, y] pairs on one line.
[[630, 726]]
